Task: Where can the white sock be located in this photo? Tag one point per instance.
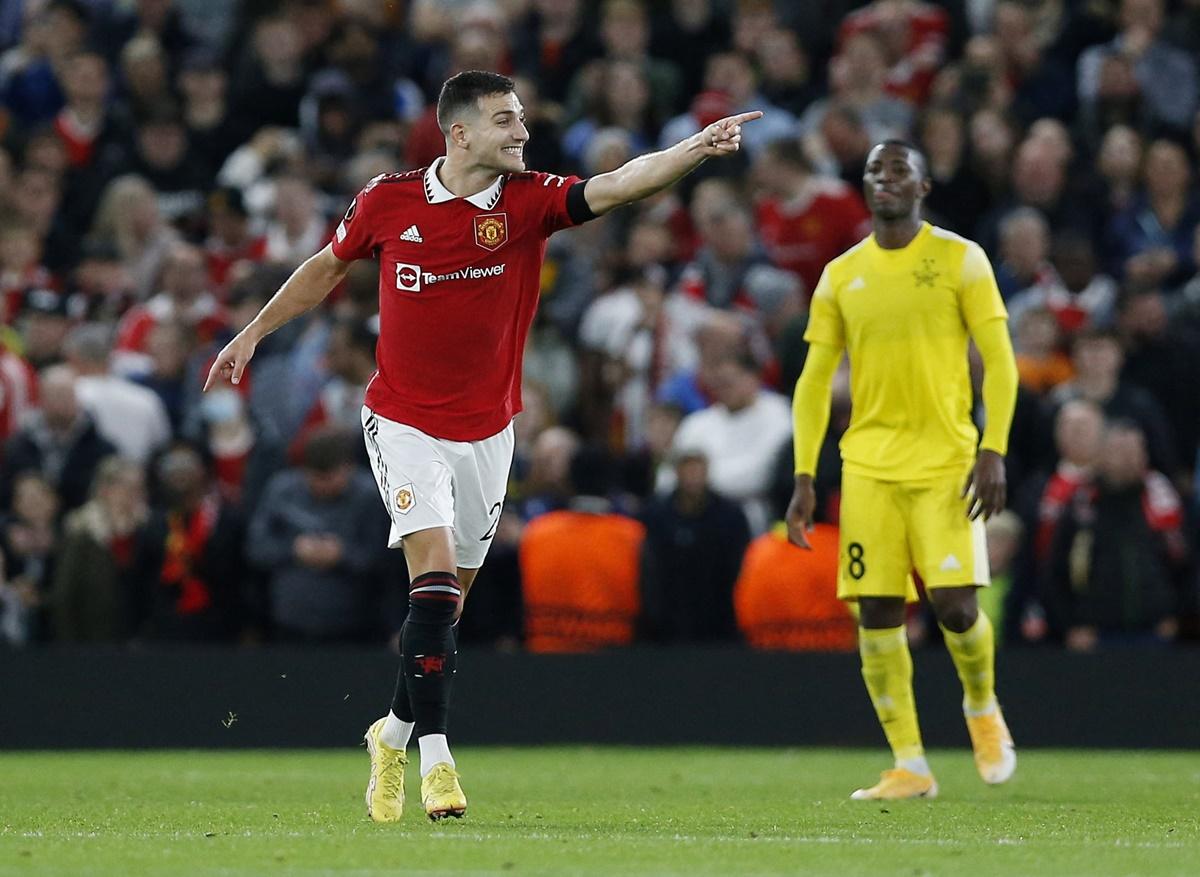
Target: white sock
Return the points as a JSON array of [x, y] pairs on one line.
[[915, 765], [434, 750], [396, 732], [974, 714]]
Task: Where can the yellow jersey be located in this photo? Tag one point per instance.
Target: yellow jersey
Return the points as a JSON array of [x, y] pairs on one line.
[[904, 316]]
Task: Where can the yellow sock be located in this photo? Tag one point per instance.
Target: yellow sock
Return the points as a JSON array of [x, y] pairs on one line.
[[887, 669], [974, 654]]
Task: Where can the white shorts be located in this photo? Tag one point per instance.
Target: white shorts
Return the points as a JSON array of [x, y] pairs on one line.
[[430, 482]]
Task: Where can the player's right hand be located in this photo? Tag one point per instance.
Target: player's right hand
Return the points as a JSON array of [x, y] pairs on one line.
[[800, 511], [231, 361], [724, 136]]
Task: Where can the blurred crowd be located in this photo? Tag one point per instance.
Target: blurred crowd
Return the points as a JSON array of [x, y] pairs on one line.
[[164, 165]]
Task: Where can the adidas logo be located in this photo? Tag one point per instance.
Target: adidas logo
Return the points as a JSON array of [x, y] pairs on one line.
[[950, 564], [856, 283], [413, 235]]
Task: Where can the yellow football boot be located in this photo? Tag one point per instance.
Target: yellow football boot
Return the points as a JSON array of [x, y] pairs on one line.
[[995, 755], [898, 784], [385, 791], [441, 794]]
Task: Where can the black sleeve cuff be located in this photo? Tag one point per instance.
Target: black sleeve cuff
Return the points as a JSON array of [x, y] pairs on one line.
[[577, 206]]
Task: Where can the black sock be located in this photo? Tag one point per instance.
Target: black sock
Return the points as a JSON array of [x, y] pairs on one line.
[[427, 645], [401, 708]]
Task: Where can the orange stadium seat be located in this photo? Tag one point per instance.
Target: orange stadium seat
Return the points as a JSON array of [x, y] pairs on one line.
[[786, 597], [579, 579]]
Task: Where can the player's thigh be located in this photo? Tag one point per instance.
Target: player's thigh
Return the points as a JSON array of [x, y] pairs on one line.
[[480, 483], [414, 478], [949, 549], [873, 551], [428, 550]]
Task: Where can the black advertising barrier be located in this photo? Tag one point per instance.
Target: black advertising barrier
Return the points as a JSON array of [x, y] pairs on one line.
[[275, 697]]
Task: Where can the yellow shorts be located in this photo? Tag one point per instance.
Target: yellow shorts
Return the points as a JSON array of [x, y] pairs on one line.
[[891, 528]]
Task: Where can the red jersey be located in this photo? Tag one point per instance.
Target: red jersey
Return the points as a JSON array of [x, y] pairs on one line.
[[458, 286], [1056, 499], [804, 234], [18, 392], [221, 258], [916, 31]]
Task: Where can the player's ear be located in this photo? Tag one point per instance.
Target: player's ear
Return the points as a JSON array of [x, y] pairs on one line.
[[926, 186], [458, 135]]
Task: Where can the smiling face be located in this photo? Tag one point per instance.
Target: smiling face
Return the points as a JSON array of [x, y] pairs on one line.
[[894, 181], [496, 137]]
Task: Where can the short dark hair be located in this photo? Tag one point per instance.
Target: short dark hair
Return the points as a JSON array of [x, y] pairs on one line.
[[911, 147], [328, 448], [592, 471], [790, 151], [461, 91]]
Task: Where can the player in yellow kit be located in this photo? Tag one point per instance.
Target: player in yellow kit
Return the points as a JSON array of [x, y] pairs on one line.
[[915, 488]]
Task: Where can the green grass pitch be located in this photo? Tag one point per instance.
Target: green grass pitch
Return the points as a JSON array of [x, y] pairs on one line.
[[597, 811]]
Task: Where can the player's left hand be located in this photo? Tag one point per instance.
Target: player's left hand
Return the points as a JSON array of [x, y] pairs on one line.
[[985, 487], [724, 136], [800, 511]]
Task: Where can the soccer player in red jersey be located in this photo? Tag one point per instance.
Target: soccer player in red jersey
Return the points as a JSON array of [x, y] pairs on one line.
[[460, 247]]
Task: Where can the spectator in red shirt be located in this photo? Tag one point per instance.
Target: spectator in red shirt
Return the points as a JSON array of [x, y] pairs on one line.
[[1078, 431], [184, 297], [20, 268], [85, 123], [805, 220], [914, 35], [191, 571], [18, 392], [229, 240], [1119, 560], [1076, 293]]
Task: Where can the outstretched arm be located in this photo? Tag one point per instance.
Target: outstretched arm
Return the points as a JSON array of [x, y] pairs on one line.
[[810, 413], [304, 290], [647, 174]]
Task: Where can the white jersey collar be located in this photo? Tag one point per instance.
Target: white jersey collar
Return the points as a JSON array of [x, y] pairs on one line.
[[436, 193]]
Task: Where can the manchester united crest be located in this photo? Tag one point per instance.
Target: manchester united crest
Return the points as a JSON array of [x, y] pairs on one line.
[[405, 498], [491, 230]]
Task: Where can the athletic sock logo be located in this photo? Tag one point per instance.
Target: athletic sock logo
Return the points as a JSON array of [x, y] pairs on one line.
[[413, 235]]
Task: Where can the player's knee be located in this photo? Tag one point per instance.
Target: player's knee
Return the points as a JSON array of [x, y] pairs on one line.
[[957, 615], [434, 598], [880, 612]]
